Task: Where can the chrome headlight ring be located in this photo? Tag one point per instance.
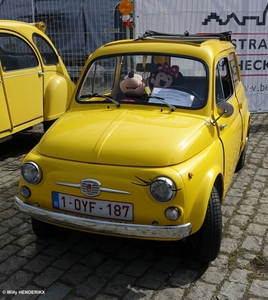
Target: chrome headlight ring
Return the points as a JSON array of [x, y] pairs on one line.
[[31, 172], [162, 189]]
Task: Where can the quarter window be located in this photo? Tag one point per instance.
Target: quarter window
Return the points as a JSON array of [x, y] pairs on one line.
[[234, 68], [223, 82]]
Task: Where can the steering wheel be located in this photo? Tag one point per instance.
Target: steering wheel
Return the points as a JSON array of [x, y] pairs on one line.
[[188, 91]]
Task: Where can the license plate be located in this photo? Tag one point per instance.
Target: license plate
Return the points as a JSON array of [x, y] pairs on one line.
[[95, 208]]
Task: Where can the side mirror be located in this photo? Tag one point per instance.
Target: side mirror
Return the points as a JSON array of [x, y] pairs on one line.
[[225, 110]]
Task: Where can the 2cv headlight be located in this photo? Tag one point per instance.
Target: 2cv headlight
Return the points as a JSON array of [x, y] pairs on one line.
[[31, 172]]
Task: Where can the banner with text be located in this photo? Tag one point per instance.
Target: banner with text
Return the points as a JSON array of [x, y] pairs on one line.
[[247, 19]]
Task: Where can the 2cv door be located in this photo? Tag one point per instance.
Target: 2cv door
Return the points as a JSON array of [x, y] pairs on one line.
[[5, 124], [21, 91]]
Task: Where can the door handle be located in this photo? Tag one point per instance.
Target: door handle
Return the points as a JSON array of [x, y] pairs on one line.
[[222, 126], [40, 73]]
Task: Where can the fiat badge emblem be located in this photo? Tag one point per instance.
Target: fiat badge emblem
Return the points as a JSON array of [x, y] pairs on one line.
[[90, 187]]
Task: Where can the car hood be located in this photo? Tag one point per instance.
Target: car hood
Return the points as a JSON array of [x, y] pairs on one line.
[[127, 137]]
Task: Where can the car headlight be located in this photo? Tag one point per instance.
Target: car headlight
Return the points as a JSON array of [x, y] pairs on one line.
[[162, 189], [31, 173]]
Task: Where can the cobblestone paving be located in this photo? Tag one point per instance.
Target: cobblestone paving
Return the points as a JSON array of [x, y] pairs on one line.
[[76, 265]]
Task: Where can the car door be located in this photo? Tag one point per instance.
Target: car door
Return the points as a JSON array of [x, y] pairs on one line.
[[240, 92], [5, 124], [229, 128], [22, 80], [58, 86]]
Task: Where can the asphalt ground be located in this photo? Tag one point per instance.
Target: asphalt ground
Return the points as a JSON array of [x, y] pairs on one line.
[[77, 265]]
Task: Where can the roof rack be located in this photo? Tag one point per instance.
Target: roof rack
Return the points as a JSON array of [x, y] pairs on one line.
[[149, 34]]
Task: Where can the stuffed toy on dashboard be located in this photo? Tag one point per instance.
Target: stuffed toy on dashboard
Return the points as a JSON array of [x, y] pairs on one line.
[[166, 76], [132, 84]]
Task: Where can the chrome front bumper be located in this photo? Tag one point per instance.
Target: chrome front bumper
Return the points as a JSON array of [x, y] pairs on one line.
[[105, 227]]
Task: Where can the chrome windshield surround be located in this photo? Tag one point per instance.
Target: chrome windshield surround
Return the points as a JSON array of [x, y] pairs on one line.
[[105, 227], [91, 187]]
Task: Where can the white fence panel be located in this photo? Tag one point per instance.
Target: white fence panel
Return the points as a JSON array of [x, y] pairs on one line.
[[247, 19], [78, 27]]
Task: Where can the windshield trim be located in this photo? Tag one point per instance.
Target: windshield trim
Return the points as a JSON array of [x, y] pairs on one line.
[[85, 100]]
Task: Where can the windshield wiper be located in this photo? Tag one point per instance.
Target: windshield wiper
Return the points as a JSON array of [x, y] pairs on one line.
[[172, 108], [103, 96]]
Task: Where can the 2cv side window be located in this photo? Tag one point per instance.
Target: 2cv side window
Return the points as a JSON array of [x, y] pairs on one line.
[[15, 53], [224, 86], [48, 55]]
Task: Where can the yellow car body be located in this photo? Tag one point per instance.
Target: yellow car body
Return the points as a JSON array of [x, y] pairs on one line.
[[154, 165], [35, 86]]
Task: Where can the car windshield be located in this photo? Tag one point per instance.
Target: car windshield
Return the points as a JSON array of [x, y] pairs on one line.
[[146, 79]]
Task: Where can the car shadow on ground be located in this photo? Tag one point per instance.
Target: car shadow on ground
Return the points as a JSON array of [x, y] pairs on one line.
[[150, 265], [19, 144], [12, 152]]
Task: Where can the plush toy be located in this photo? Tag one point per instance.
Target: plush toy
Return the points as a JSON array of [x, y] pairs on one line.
[[166, 76], [132, 84]]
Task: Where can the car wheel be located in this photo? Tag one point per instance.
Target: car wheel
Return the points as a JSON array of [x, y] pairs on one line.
[[242, 158], [43, 229], [206, 243]]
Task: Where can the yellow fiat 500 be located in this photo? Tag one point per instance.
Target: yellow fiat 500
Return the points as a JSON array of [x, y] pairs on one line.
[[35, 86], [148, 147]]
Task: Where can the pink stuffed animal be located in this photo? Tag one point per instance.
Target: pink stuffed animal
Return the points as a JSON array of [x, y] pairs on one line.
[[132, 84]]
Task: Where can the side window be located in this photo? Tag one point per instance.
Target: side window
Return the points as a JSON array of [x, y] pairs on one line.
[[15, 53], [223, 81], [48, 55]]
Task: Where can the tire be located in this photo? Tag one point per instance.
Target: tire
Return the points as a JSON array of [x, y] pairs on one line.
[[205, 244], [42, 229], [241, 162]]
